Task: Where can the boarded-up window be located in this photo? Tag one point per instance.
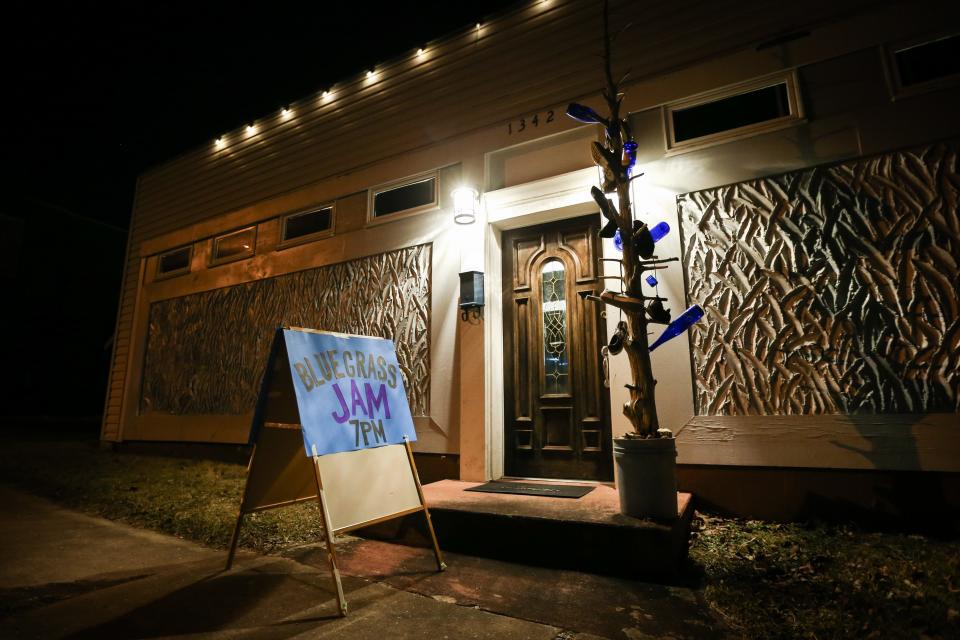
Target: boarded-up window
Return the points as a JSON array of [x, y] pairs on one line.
[[205, 351]]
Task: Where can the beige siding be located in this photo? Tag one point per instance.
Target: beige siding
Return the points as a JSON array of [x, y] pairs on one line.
[[520, 63], [541, 55]]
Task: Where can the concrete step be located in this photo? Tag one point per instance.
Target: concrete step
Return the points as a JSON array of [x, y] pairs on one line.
[[584, 534]]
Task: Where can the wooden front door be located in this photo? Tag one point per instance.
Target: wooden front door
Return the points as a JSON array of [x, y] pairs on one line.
[[556, 407]]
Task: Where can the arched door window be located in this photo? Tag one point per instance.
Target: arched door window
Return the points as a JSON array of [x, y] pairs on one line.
[[556, 359]]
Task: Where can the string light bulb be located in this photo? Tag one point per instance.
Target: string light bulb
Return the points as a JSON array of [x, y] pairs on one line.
[[251, 129], [421, 51], [285, 112], [370, 73], [219, 143]]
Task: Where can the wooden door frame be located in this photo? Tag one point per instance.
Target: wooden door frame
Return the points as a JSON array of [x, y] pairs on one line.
[[526, 205]]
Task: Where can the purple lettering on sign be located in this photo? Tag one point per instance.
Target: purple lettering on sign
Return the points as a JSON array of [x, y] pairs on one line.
[[343, 406], [375, 402], [368, 403], [356, 400]]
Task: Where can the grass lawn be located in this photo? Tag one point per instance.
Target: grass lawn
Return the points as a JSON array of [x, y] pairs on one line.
[[769, 580], [193, 499], [765, 580]]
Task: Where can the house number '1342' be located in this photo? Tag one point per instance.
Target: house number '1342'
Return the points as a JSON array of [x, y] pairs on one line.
[[516, 126]]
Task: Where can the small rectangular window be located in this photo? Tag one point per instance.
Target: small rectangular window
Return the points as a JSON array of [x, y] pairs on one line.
[[734, 112], [408, 197], [925, 65], [234, 246], [174, 263], [747, 109], [307, 225]]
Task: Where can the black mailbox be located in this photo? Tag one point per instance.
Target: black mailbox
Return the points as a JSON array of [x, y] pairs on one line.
[[471, 289]]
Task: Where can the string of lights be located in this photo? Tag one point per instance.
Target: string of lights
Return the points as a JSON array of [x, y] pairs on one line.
[[370, 76]]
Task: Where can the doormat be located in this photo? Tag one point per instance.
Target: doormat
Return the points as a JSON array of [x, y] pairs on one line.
[[535, 489]]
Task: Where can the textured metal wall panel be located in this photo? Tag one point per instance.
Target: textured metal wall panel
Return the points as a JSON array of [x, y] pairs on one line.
[[829, 290], [206, 351]]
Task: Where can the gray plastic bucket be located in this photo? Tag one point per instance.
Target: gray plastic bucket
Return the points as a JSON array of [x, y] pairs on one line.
[[646, 474]]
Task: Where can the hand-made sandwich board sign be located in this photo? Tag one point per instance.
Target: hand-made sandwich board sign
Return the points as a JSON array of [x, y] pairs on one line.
[[349, 392], [333, 424]]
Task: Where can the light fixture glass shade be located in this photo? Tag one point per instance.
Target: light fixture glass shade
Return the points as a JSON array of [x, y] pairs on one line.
[[465, 205]]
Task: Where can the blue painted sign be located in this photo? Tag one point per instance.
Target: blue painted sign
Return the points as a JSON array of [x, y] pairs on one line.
[[349, 391]]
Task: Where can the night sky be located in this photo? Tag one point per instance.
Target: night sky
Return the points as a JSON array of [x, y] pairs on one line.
[[101, 93], [97, 93]]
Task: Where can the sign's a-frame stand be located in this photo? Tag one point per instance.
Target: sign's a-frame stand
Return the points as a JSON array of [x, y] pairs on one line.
[[280, 473]]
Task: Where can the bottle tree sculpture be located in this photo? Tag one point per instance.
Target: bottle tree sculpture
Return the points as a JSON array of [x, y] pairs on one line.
[[616, 158]]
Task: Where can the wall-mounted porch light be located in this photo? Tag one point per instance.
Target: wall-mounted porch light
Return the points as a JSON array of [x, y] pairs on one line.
[[471, 294], [465, 205]]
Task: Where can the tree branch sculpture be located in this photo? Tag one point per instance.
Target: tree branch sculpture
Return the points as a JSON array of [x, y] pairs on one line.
[[616, 158]]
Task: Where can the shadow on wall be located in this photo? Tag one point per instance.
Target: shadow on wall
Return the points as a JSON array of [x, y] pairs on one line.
[[907, 497], [910, 501]]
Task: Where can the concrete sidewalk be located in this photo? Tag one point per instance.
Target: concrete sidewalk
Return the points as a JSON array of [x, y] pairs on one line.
[[68, 575]]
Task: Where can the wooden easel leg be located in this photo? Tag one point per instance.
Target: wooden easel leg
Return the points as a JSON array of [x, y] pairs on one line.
[[441, 565], [234, 540], [243, 501], [328, 534]]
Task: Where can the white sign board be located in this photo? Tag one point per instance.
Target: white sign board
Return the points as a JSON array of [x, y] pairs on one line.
[[380, 484]]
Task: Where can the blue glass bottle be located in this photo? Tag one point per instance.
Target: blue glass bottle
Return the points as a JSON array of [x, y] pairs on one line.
[[651, 281], [618, 241], [680, 324], [584, 114], [629, 154], [659, 230], [644, 237]]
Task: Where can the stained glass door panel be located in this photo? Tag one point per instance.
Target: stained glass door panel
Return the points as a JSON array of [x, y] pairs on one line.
[[556, 358]]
